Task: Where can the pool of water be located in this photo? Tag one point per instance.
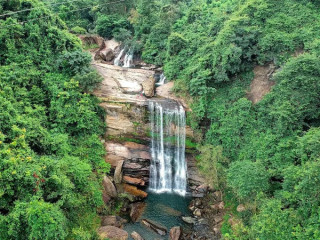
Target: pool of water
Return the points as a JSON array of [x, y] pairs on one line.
[[165, 209]]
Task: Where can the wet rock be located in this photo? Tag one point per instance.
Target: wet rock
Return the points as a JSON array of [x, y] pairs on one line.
[[136, 210], [134, 181], [197, 212], [112, 233], [241, 208], [189, 220], [115, 221], [175, 233], [109, 187], [149, 86], [156, 227], [136, 236], [118, 172]]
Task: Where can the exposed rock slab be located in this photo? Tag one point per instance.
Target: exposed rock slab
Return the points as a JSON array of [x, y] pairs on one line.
[[112, 233], [156, 227], [109, 187], [261, 83], [136, 236]]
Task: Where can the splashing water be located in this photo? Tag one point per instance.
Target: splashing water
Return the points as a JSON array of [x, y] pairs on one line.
[[128, 59], [162, 79], [168, 170], [118, 58]]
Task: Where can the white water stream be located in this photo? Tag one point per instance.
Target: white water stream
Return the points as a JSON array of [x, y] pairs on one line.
[[168, 170]]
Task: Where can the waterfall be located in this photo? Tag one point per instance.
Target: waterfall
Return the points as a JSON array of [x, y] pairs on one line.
[[168, 170], [128, 59], [118, 58], [162, 79]]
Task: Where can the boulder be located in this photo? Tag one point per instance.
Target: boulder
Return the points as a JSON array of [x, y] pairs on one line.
[[134, 191], [112, 233], [136, 236], [197, 212], [241, 208], [106, 198], [175, 233], [133, 181], [149, 86], [189, 220], [118, 172], [217, 219], [109, 187], [107, 54], [156, 227], [137, 210], [115, 221]]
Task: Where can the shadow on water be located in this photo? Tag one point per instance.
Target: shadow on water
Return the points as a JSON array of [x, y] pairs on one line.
[[165, 209]]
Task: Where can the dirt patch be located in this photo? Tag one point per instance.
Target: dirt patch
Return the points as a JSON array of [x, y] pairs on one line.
[[261, 83]]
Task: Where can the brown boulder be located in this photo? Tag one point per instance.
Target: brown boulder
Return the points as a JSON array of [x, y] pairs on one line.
[[175, 233], [137, 210], [112, 233], [241, 208], [134, 181], [149, 86], [134, 191], [156, 227], [107, 54], [109, 187], [115, 221], [136, 236]]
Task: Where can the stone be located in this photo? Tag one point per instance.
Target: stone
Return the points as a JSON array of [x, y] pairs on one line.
[[156, 227], [241, 208], [175, 233], [136, 236], [149, 86], [137, 210], [217, 195], [216, 231], [109, 187], [105, 197], [107, 54], [221, 205], [112, 233], [218, 219], [115, 221], [118, 172], [189, 220], [134, 191], [198, 202], [197, 212], [134, 181], [170, 211]]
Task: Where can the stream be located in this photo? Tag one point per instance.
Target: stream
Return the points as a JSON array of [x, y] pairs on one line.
[[165, 209]]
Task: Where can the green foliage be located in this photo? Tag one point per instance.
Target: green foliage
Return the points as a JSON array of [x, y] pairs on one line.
[[247, 179], [51, 155], [110, 25], [78, 30]]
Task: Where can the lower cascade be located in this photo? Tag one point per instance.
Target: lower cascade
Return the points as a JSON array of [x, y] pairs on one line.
[[168, 170]]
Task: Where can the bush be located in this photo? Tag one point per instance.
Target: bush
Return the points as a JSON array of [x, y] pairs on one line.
[[78, 30]]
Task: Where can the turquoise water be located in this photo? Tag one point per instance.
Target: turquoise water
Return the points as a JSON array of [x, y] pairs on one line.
[[164, 208]]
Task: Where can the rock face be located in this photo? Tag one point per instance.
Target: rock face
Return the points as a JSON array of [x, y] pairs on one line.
[[195, 179], [175, 233], [149, 86], [136, 161], [112, 233], [137, 210], [115, 221], [156, 227]]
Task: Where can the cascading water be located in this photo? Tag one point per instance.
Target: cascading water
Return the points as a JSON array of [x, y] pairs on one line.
[[118, 58], [168, 170], [162, 79], [128, 59]]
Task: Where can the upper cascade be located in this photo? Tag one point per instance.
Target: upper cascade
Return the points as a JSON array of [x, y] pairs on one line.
[[168, 171]]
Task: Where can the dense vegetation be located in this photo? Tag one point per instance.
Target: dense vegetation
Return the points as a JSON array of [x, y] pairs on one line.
[[51, 157], [264, 155]]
